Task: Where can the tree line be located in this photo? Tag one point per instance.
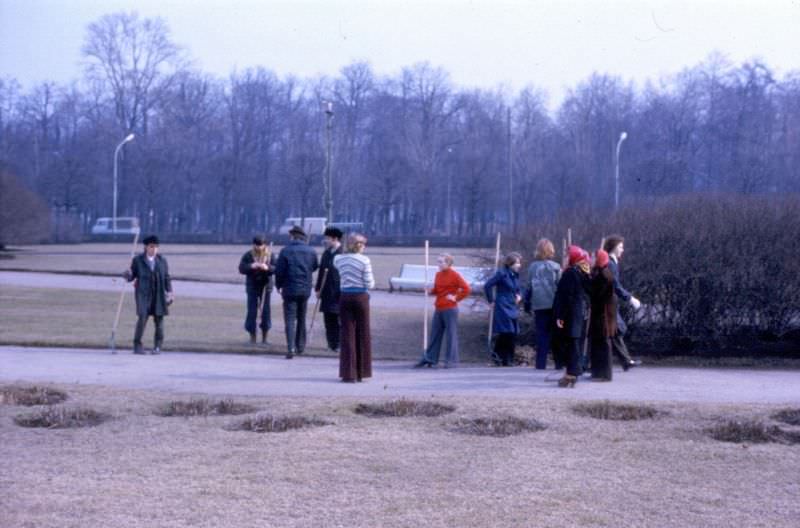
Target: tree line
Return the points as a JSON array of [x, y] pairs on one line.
[[411, 153]]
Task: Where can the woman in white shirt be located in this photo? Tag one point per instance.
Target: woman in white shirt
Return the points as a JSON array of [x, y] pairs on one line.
[[355, 279]]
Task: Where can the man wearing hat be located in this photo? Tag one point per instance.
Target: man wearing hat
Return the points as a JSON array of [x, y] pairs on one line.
[[328, 293], [258, 266], [294, 272], [153, 287]]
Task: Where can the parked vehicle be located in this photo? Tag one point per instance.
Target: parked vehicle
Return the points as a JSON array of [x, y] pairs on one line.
[[311, 225], [126, 225]]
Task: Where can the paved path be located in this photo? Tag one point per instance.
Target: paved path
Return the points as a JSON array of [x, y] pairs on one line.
[[275, 376]]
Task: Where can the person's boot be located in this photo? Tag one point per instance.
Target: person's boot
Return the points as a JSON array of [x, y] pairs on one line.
[[252, 338], [290, 354], [264, 337], [138, 349], [156, 351]]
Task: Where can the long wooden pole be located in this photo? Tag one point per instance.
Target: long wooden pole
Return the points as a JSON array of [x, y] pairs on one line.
[[316, 306], [491, 306], [425, 290], [113, 340], [264, 291]]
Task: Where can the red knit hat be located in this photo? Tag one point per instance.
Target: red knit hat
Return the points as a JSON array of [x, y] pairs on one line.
[[576, 254], [602, 258]]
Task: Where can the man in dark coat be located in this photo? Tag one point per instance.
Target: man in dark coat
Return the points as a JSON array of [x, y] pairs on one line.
[[328, 293], [615, 246], [294, 271], [150, 272], [571, 311], [603, 318], [258, 266]]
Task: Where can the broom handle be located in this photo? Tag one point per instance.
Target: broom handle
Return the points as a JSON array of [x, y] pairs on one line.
[[425, 291], [491, 308], [121, 300]]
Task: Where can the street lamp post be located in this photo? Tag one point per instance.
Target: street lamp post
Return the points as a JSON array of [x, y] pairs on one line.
[[622, 137], [328, 179], [128, 138]]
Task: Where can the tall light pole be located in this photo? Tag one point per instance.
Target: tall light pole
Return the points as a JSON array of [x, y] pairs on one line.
[[128, 138], [622, 137], [328, 179]]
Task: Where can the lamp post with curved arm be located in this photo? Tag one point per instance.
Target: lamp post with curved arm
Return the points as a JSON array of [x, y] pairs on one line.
[[622, 137], [128, 138]]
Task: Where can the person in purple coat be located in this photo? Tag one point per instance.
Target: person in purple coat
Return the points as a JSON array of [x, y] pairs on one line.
[[504, 295]]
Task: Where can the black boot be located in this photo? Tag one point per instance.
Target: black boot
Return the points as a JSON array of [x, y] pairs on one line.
[[252, 338], [264, 336]]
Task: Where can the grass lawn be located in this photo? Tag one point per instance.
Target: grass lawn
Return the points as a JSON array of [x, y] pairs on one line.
[[143, 470], [56, 317]]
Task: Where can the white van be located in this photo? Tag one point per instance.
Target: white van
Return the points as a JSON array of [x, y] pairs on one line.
[[311, 225], [126, 225]]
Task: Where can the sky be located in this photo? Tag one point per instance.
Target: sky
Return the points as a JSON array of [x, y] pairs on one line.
[[551, 45]]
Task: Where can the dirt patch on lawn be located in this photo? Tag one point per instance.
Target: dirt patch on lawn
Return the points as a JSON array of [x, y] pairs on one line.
[[268, 423], [203, 407], [606, 410], [61, 418], [497, 426], [402, 408]]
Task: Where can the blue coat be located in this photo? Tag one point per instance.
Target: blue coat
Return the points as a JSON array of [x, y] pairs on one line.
[[294, 271], [506, 313]]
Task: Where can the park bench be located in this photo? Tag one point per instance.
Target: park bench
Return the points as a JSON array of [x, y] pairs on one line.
[[412, 277]]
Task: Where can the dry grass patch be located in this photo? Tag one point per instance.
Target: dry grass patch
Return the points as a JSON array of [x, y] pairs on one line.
[[203, 407], [402, 408], [499, 426], [61, 418], [751, 432], [30, 395], [788, 416], [605, 410], [268, 423]]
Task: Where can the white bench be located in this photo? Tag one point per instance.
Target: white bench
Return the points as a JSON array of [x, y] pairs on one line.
[[412, 277]]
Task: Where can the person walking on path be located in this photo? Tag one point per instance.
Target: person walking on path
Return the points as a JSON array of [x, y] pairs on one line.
[[543, 276], [615, 247], [355, 281], [153, 287], [258, 266], [328, 293], [571, 311], [603, 317], [504, 301], [449, 288], [294, 271]]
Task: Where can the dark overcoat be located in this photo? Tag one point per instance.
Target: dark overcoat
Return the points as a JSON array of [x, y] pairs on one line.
[[257, 280], [151, 286], [506, 313], [329, 292], [294, 271], [571, 303], [622, 294], [603, 317]]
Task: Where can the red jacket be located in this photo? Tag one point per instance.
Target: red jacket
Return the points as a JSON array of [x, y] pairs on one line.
[[449, 282]]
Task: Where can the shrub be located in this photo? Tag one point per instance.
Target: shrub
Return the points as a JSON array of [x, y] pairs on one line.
[[267, 423], [606, 410], [717, 273], [497, 426], [203, 407], [402, 408], [30, 395], [61, 418]]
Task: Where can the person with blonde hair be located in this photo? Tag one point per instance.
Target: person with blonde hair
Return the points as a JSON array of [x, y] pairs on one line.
[[543, 277], [449, 288], [355, 280]]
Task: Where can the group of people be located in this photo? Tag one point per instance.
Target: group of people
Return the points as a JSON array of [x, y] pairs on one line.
[[575, 308], [575, 305]]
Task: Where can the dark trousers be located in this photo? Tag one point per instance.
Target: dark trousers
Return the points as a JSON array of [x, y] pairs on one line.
[[620, 349], [253, 300], [445, 322], [294, 320], [544, 323], [355, 357], [574, 349], [601, 357], [140, 325], [332, 329], [504, 348]]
